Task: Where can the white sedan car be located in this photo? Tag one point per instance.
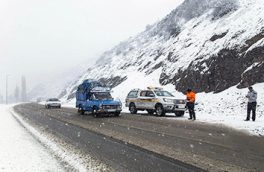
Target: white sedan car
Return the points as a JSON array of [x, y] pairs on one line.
[[53, 103]]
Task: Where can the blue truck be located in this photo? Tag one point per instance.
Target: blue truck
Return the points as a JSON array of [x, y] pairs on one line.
[[92, 96]]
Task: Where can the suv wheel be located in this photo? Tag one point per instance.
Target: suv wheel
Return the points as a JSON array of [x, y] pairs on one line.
[[179, 113], [132, 108], [159, 110]]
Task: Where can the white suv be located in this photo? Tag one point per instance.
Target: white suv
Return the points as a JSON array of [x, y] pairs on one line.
[[155, 100]]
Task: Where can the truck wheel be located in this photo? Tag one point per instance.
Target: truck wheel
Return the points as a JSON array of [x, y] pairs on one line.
[[179, 113], [117, 114], [159, 110], [80, 110], [94, 112], [150, 112], [132, 108]]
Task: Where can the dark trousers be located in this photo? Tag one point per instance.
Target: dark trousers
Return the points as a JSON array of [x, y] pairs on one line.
[[190, 107], [251, 107]]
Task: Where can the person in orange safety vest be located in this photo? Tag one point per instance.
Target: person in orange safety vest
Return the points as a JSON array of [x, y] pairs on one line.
[[190, 103]]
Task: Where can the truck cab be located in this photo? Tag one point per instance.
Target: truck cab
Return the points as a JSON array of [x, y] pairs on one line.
[[92, 96]]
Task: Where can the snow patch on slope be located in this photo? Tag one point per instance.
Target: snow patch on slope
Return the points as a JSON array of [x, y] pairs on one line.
[[141, 81], [230, 108]]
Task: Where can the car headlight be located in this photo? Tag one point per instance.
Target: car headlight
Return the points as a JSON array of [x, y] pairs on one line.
[[168, 100], [181, 101]]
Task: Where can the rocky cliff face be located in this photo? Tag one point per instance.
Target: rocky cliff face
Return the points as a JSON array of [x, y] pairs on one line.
[[229, 67], [207, 45]]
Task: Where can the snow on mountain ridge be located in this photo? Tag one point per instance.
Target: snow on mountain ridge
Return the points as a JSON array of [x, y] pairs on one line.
[[200, 47], [172, 23]]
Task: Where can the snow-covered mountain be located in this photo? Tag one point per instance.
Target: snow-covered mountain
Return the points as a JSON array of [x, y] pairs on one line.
[[54, 83], [207, 45]]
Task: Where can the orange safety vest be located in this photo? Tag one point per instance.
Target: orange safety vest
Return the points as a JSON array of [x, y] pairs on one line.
[[191, 96]]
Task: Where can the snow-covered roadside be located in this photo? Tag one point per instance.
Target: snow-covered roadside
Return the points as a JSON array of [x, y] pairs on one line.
[[73, 159], [19, 151], [230, 108]]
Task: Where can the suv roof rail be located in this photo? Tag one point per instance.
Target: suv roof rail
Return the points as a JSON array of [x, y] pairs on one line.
[[136, 89], [154, 88]]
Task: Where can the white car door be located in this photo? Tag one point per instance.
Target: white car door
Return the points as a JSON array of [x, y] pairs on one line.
[[150, 96], [141, 101]]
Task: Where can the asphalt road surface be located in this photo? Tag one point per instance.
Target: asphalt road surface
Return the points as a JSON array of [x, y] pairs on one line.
[[149, 143]]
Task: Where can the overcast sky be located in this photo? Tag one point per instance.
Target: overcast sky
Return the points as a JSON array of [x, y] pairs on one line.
[[42, 37]]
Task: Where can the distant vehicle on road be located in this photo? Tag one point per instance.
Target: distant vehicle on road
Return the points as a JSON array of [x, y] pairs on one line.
[[154, 100], [92, 96], [53, 103]]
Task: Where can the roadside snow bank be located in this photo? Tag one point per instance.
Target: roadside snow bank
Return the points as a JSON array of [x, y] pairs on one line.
[[19, 150], [230, 107], [74, 161], [68, 158]]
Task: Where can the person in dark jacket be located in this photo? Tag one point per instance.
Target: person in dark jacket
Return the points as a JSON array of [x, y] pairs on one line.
[[190, 103], [252, 104]]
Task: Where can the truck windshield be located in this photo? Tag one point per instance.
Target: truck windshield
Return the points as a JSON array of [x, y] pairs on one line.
[[53, 100], [163, 94], [102, 96]]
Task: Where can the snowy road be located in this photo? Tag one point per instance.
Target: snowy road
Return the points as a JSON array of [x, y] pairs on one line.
[[19, 151], [211, 147], [120, 156]]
